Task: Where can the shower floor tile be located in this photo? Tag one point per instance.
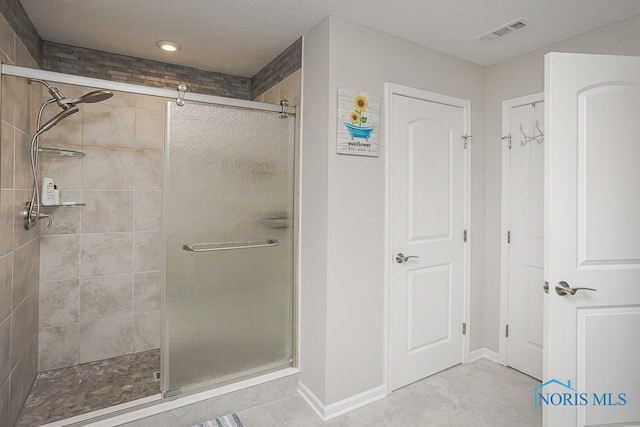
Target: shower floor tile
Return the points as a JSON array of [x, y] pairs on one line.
[[67, 392]]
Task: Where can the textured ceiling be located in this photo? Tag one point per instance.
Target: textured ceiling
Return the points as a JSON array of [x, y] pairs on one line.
[[241, 36]]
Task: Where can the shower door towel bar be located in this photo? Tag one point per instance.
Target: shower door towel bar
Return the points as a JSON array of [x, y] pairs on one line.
[[208, 247]]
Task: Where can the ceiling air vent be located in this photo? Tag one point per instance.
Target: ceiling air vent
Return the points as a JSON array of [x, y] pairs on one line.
[[503, 30]]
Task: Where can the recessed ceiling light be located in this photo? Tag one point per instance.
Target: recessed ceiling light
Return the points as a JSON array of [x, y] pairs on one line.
[[168, 45]]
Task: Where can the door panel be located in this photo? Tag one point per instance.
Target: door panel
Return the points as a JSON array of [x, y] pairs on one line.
[[428, 222], [605, 116], [429, 156], [592, 191]]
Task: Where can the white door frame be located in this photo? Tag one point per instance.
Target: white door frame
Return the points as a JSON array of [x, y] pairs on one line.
[[507, 105], [391, 89]]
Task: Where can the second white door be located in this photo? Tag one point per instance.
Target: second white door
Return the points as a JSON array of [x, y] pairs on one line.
[[525, 238], [428, 236]]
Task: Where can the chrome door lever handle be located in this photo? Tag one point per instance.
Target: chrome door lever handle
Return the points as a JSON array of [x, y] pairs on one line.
[[563, 289], [400, 258]]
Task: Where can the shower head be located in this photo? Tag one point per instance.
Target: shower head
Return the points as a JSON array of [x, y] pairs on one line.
[[89, 98], [68, 103], [61, 115]]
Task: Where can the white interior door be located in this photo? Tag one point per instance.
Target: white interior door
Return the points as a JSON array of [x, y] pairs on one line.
[[428, 221], [525, 238], [592, 238]]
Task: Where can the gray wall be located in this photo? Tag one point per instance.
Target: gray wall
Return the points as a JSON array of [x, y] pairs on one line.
[[19, 249], [521, 76], [343, 278]]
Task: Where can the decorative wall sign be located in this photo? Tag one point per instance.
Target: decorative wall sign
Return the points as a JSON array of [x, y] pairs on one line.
[[358, 123]]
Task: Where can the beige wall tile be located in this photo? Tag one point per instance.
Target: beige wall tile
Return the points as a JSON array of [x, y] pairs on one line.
[[106, 296], [7, 212], [149, 128], [6, 155], [147, 211], [26, 271], [59, 257], [101, 339], [65, 220], [9, 98], [24, 328], [148, 170], [147, 251], [4, 404], [5, 345], [107, 169], [22, 172], [6, 281], [22, 109], [20, 234], [272, 96], [151, 102], [23, 57], [66, 172], [107, 125], [59, 303], [147, 292], [109, 253], [66, 133], [21, 381], [119, 99], [58, 346], [290, 88], [147, 331], [107, 211], [6, 43]]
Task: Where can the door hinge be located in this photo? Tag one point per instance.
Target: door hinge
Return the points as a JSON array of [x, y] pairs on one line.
[[464, 328], [508, 139], [467, 139], [506, 331], [465, 235], [508, 236]]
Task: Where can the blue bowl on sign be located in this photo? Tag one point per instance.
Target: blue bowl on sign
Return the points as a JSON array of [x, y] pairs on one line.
[[359, 131]]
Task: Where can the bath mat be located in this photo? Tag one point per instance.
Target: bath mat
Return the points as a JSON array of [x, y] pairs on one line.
[[226, 421]]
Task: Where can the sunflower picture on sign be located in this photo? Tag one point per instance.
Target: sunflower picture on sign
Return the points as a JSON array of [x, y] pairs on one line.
[[358, 118]]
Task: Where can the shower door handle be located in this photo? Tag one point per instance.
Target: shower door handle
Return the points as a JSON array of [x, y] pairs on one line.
[[209, 247]]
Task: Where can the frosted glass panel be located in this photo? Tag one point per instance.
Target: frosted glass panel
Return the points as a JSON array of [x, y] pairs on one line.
[[228, 185]]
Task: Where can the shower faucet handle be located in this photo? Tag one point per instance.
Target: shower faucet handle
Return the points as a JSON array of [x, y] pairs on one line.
[[49, 219]]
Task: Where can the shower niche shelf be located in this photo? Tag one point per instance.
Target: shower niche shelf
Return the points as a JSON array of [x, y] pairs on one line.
[[61, 152], [64, 205]]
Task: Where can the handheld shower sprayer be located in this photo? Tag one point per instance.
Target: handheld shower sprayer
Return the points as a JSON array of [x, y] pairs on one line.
[[69, 106]]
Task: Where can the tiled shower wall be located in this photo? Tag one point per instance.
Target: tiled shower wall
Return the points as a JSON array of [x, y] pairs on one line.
[[19, 248], [100, 282]]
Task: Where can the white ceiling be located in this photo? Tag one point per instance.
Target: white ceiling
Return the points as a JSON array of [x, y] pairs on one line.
[[241, 36]]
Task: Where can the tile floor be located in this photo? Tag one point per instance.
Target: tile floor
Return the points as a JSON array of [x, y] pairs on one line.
[[67, 392], [478, 394]]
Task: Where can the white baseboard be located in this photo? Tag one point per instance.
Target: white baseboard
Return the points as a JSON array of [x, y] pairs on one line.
[[483, 353], [328, 412]]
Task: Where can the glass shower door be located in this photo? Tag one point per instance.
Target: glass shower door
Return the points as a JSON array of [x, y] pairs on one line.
[[229, 184]]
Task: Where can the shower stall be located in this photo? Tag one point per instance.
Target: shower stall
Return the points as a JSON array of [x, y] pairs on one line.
[[168, 270]]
